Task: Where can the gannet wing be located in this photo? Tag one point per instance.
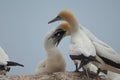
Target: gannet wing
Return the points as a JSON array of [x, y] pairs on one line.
[[107, 55], [92, 37], [97, 41], [103, 50]]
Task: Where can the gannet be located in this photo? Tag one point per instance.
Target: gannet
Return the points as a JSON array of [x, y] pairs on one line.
[[54, 62], [81, 46], [5, 63], [106, 54]]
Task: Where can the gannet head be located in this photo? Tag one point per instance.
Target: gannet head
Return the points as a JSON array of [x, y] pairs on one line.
[[57, 36], [54, 37], [65, 27], [65, 15]]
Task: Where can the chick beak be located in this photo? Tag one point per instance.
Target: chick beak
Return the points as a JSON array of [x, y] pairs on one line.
[[58, 41], [55, 19]]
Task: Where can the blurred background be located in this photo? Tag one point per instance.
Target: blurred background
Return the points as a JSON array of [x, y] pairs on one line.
[[24, 23]]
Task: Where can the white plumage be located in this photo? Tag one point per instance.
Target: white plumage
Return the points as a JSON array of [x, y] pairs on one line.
[[3, 57]]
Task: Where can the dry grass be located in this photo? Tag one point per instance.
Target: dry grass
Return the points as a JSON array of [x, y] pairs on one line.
[[54, 76]]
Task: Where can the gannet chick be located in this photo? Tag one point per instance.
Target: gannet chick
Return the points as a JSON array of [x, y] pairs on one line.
[[5, 63], [54, 62], [81, 46], [104, 51]]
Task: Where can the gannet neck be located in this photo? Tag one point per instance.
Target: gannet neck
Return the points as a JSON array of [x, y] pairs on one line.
[[72, 20], [53, 53], [78, 36], [48, 44], [74, 25], [50, 47]]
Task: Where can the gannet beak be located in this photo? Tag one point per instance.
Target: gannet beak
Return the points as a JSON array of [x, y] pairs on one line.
[[59, 38], [55, 19], [11, 63], [58, 41]]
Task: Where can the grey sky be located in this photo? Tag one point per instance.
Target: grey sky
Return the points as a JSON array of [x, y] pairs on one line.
[[23, 24]]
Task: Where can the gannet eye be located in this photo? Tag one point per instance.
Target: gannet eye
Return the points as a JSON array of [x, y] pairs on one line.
[[59, 33]]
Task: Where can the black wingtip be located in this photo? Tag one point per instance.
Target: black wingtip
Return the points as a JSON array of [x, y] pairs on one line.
[[11, 63], [110, 62]]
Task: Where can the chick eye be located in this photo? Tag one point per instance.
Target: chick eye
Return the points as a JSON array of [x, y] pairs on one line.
[[58, 34]]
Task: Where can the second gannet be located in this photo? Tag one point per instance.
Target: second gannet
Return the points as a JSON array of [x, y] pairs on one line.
[[5, 63], [54, 61], [81, 46], [104, 51]]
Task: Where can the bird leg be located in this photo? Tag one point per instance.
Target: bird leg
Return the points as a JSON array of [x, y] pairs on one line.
[[83, 62], [8, 69], [99, 70], [76, 65]]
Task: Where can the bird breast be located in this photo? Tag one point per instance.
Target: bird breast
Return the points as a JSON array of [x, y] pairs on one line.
[[80, 43]]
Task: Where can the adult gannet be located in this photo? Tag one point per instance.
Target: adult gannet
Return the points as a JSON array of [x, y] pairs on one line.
[[54, 62], [81, 46], [104, 51], [5, 63]]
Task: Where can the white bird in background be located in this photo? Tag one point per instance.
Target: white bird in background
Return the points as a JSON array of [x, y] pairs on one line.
[[54, 62], [81, 46], [109, 57], [5, 63]]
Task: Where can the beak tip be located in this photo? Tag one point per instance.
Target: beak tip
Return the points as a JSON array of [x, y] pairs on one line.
[[49, 22], [54, 20]]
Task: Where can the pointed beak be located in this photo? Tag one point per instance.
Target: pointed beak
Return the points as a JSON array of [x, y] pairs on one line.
[[55, 19], [58, 41]]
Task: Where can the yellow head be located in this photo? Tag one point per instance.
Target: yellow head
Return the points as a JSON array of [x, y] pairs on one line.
[[65, 15]]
